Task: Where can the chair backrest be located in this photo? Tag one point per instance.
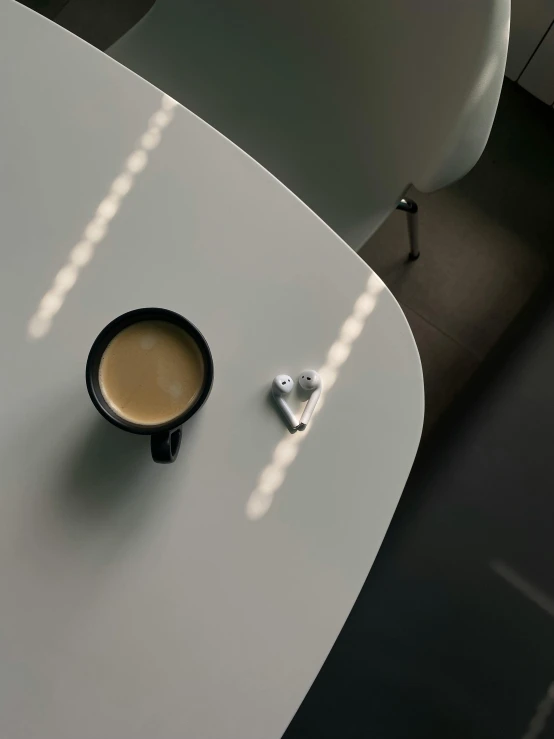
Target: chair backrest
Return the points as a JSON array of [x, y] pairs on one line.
[[347, 102]]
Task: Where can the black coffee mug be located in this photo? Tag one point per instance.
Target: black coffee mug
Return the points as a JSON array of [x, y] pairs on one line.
[[165, 438]]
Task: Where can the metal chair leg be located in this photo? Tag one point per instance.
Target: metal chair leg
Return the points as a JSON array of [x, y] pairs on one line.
[[409, 207]]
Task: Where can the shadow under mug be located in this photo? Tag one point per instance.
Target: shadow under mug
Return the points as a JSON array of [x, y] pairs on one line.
[[165, 438]]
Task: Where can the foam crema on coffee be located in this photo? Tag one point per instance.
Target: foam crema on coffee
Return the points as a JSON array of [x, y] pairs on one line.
[[151, 372]]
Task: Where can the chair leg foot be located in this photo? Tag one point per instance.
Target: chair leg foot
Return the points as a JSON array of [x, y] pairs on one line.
[[409, 207]]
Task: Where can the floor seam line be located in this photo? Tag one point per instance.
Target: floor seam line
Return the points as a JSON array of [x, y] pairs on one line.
[[473, 353]]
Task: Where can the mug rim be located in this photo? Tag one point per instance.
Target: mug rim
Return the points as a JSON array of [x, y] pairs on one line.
[[99, 347]]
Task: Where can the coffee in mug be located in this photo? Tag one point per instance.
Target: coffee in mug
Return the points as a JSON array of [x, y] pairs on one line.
[[151, 372], [148, 372]]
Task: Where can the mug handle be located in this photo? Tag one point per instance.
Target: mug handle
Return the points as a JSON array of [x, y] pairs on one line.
[[165, 445]]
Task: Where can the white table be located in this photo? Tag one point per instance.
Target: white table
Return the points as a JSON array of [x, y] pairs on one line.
[[196, 600]]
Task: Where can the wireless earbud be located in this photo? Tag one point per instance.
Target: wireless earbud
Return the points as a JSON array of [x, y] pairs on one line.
[[310, 381], [281, 387]]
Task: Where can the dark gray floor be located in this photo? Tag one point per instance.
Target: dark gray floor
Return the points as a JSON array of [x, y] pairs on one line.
[[487, 241], [487, 245]]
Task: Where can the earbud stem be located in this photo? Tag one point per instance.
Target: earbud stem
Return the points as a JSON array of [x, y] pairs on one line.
[[286, 411], [309, 409]]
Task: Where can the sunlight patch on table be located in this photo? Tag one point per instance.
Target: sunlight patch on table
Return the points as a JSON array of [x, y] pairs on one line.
[[95, 231], [286, 451]]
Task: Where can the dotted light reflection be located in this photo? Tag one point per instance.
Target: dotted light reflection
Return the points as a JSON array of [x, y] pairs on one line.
[[284, 454], [96, 230]]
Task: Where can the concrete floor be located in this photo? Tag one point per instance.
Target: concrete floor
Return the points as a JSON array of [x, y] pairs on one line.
[[486, 241]]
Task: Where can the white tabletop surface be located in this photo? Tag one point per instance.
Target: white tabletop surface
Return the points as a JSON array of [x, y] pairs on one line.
[[196, 600]]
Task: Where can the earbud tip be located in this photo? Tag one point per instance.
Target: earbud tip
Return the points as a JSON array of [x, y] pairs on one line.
[[301, 427]]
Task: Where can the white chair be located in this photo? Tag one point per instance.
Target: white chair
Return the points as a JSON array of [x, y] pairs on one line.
[[347, 102]]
